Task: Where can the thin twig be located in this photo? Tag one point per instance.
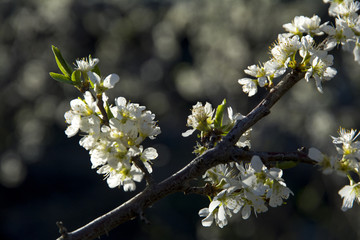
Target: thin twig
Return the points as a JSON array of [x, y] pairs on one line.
[[148, 177], [207, 190], [100, 105], [241, 155], [263, 108], [62, 230]]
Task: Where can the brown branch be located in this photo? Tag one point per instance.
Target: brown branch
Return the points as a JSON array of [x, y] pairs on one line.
[[100, 105], [263, 108], [271, 158], [207, 190], [224, 152], [148, 177]]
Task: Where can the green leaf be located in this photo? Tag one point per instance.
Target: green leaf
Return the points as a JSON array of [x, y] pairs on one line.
[[286, 164], [219, 114], [76, 77], [61, 78], [64, 67]]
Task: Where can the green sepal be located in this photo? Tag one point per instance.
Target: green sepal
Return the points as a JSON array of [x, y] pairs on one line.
[[108, 111], [61, 78], [76, 77], [286, 164], [219, 114], [221, 183], [64, 67]]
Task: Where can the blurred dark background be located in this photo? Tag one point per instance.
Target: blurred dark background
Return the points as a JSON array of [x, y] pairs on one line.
[[169, 55]]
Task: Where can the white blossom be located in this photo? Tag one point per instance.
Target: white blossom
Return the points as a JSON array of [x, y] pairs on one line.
[[100, 85], [349, 193], [147, 155], [253, 201], [326, 163], [269, 181], [258, 72], [222, 174], [124, 110], [347, 159], [200, 118], [277, 193], [307, 46], [346, 137], [320, 70], [147, 126], [302, 24], [82, 116], [350, 149], [249, 86], [112, 147], [276, 67], [289, 45], [340, 35], [243, 188], [344, 8], [282, 52], [121, 176], [224, 205], [86, 65]]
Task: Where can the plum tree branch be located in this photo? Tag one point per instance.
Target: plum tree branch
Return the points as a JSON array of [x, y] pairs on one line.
[[263, 108], [224, 152]]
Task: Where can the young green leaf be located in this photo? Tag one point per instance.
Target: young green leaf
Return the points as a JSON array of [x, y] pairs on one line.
[[64, 67], [76, 77], [286, 164], [61, 78], [219, 114], [108, 111]]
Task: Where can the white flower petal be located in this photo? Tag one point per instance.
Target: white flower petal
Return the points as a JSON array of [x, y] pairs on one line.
[[348, 193], [214, 204], [149, 153], [94, 78], [221, 213], [246, 212], [204, 212], [111, 80], [71, 130], [257, 164], [188, 132], [120, 102], [315, 154], [113, 181], [129, 185], [207, 222]]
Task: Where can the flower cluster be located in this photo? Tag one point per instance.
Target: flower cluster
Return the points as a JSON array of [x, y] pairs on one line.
[[200, 119], [347, 26], [243, 188], [298, 50], [346, 161], [211, 124], [112, 144]]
